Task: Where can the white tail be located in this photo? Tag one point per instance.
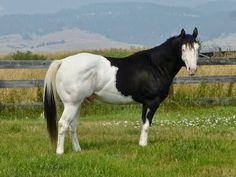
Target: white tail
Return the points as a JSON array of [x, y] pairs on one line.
[[50, 99]]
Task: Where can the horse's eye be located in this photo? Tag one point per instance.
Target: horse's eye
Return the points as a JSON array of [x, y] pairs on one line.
[[183, 50]]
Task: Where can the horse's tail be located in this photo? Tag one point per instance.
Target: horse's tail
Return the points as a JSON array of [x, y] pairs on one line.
[[50, 112]]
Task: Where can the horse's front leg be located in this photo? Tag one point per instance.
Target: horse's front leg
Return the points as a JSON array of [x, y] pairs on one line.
[[149, 109]]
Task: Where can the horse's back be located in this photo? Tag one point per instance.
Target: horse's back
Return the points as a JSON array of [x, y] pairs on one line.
[[81, 62]]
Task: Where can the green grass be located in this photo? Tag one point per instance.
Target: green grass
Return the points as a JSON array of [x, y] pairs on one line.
[[183, 142]]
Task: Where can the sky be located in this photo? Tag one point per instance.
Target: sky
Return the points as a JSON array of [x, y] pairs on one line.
[[52, 6]]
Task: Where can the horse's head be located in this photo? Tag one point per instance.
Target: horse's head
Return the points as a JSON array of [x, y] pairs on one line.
[[189, 50]]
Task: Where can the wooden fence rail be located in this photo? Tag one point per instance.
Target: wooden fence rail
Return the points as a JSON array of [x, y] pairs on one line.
[[24, 64], [177, 80], [44, 64]]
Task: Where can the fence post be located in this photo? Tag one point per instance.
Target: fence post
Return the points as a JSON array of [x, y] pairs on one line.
[[171, 91], [230, 90]]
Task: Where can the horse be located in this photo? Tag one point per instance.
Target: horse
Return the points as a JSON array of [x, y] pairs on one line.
[[143, 77]]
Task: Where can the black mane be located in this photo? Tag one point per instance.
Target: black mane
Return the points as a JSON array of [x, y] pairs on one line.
[[156, 49]]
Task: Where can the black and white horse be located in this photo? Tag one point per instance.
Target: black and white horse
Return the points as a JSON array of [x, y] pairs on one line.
[[144, 77]]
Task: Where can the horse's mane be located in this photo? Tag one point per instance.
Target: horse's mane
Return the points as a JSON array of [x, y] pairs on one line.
[[150, 50]]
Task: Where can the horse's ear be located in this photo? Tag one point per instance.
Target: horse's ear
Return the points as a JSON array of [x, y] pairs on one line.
[[182, 34], [195, 32]]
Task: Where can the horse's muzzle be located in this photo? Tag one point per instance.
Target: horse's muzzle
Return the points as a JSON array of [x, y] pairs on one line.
[[192, 71]]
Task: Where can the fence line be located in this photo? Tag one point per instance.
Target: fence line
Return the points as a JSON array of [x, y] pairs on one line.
[[177, 80], [44, 64], [204, 79], [24, 64]]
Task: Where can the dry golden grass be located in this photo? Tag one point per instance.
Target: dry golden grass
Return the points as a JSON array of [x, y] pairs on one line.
[[21, 74], [211, 70], [13, 95]]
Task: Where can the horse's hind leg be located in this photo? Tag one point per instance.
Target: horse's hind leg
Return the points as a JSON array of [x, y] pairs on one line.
[[73, 128], [68, 116]]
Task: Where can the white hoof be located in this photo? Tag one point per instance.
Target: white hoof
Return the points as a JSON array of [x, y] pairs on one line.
[[77, 149], [142, 143], [60, 151]]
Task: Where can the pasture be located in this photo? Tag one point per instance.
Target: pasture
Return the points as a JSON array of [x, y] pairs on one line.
[[183, 141]]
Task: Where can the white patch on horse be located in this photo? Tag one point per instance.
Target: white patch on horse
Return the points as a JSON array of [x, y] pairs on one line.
[[190, 57], [89, 74], [144, 132], [109, 93], [78, 77]]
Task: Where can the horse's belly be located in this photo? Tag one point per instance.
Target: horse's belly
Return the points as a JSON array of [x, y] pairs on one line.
[[110, 97], [110, 94]]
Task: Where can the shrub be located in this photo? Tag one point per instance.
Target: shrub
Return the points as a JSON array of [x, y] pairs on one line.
[[28, 55]]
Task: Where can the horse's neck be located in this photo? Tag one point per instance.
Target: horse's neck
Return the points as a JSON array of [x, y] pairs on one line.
[[175, 66], [168, 63]]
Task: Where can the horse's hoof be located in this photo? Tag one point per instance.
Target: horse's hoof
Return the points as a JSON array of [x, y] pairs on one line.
[[60, 152], [142, 144], [78, 149]]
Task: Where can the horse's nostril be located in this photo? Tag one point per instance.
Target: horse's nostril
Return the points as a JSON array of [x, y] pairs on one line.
[[194, 70], [191, 70]]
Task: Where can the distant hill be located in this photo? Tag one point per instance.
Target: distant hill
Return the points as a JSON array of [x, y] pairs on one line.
[[143, 23], [217, 6], [66, 40], [127, 22], [226, 43]]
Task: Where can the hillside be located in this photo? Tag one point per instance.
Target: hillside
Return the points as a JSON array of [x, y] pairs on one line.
[[143, 23], [127, 22], [225, 42], [67, 39]]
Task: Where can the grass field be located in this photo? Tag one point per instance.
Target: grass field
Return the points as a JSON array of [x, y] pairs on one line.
[[183, 141]]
